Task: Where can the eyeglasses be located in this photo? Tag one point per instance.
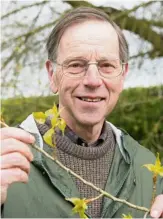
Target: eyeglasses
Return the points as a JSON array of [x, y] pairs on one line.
[[109, 68]]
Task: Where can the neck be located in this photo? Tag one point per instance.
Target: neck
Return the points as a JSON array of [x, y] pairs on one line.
[[89, 132]]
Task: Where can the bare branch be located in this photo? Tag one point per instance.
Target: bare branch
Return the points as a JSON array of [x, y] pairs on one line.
[[24, 7], [142, 27]]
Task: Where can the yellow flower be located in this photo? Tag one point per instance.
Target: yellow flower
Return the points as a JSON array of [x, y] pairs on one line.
[[127, 216], [56, 121], [80, 206], [39, 117], [156, 168]]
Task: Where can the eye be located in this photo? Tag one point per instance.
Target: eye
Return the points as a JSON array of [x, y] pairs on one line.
[[106, 64], [76, 64]]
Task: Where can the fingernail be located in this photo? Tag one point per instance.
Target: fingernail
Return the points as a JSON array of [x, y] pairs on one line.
[[155, 214]]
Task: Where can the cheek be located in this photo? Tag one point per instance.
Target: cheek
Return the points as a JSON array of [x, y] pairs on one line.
[[114, 86], [67, 85]]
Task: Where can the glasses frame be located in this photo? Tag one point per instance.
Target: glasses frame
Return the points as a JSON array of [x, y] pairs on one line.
[[85, 70]]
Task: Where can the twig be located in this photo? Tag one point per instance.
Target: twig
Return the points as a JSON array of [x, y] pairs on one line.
[[86, 182], [4, 124], [90, 184], [154, 188], [23, 7], [145, 215]]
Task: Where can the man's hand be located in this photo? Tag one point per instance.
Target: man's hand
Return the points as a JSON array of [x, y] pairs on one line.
[[157, 207], [15, 158]]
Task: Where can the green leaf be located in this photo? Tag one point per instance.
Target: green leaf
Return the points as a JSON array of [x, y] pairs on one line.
[[40, 117], [48, 137]]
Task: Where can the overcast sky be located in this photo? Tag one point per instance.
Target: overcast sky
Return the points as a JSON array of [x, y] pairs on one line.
[[151, 70]]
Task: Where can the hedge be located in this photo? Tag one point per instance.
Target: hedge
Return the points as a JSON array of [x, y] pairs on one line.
[[139, 111]]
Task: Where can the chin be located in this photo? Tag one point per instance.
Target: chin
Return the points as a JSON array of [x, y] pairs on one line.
[[90, 121]]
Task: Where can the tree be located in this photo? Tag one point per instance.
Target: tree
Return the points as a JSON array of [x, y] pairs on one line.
[[25, 27]]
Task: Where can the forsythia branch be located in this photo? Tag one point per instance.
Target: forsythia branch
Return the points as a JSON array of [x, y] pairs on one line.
[[104, 193]]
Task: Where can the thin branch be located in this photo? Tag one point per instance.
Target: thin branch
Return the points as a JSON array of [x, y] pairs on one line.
[[140, 24], [88, 183], [30, 33], [24, 7], [126, 12]]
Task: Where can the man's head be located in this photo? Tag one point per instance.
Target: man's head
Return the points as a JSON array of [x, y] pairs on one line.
[[80, 15], [87, 35]]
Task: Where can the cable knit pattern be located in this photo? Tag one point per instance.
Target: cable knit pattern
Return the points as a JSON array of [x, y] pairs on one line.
[[91, 163]]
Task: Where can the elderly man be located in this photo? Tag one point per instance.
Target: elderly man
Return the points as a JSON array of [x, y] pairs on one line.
[[87, 64]]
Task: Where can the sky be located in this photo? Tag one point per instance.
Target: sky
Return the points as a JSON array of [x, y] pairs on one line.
[[149, 74]]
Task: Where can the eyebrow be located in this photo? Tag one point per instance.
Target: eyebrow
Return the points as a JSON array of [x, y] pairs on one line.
[[75, 57], [71, 58], [108, 57]]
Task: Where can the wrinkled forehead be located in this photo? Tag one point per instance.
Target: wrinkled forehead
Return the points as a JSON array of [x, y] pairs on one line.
[[92, 36]]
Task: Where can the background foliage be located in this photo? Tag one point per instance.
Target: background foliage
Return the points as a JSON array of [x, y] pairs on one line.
[[141, 118]]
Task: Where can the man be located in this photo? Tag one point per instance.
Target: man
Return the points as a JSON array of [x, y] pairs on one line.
[[87, 64]]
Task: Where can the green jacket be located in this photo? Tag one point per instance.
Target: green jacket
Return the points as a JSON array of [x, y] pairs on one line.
[[44, 195]]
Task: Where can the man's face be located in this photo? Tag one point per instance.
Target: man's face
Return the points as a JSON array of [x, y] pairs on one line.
[[88, 99]]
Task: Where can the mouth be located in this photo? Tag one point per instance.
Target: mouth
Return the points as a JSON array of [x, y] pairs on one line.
[[93, 100]]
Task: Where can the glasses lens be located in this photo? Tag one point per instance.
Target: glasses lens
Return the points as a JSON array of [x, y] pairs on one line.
[[110, 68], [75, 66]]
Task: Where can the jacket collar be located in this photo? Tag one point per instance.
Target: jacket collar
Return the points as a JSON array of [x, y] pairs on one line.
[[30, 126]]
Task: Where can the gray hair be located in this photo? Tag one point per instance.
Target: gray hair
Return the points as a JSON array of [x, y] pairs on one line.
[[79, 15]]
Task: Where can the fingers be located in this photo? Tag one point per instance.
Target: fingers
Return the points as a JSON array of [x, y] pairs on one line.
[[13, 175], [12, 145], [9, 176], [157, 207], [18, 134], [15, 159]]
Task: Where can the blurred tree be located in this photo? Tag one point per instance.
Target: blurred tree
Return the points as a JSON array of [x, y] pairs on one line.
[[26, 25]]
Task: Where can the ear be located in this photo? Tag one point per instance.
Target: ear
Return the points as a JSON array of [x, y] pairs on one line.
[[51, 76], [124, 74], [125, 70]]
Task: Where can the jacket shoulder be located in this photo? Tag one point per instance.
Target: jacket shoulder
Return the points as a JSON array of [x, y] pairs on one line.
[[138, 153]]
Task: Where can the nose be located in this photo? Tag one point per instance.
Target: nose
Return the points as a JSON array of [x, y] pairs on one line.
[[92, 77]]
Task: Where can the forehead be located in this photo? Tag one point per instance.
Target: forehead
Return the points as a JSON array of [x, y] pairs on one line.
[[87, 39]]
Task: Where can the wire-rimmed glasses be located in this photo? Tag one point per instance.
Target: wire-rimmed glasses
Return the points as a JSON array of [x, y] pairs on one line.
[[108, 68]]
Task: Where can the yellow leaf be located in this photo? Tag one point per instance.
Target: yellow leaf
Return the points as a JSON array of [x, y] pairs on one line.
[[158, 162], [127, 216], [156, 168], [49, 113], [62, 125], [1, 117], [80, 206], [39, 117], [55, 109], [54, 121], [48, 137], [52, 112]]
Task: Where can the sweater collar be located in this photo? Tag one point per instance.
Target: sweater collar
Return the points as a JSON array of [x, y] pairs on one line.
[[30, 126]]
